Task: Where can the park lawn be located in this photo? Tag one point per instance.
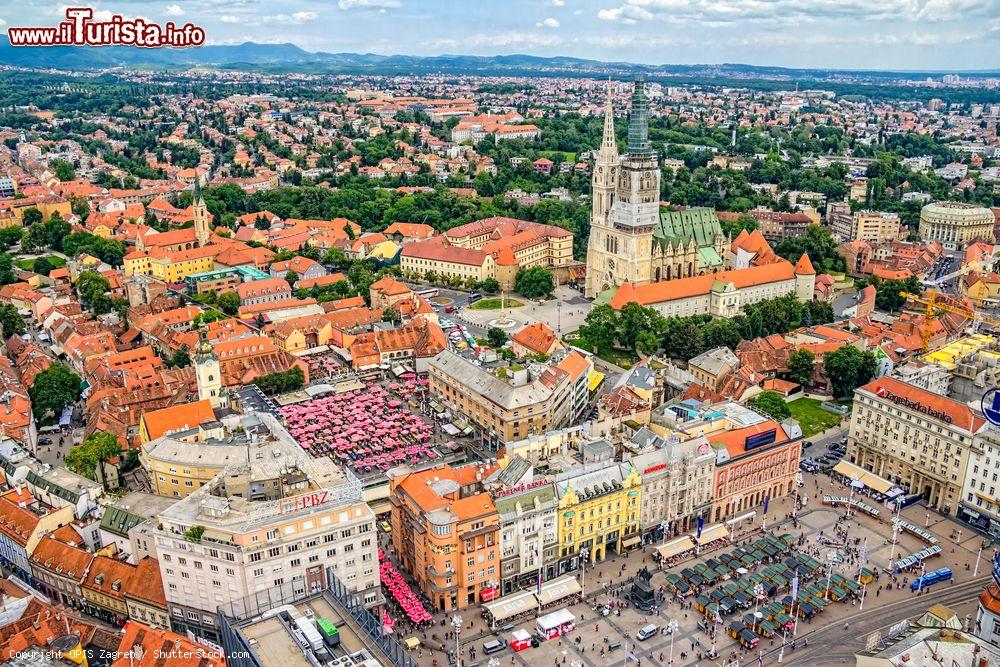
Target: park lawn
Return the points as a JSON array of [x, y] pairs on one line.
[[566, 156], [495, 304], [811, 416], [28, 264], [616, 356]]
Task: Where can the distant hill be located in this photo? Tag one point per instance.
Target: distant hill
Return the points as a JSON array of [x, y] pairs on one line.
[[288, 57]]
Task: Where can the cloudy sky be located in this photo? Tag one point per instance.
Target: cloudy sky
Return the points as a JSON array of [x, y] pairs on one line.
[[897, 34]]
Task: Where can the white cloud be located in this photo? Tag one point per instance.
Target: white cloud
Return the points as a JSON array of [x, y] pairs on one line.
[[494, 42], [368, 4], [298, 18], [173, 10], [716, 13], [229, 18], [547, 23], [557, 3], [2, 22]]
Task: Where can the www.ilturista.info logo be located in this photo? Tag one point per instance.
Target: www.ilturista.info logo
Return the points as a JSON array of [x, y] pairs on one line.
[[80, 30]]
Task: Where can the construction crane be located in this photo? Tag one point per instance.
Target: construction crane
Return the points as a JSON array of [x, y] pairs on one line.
[[931, 305]]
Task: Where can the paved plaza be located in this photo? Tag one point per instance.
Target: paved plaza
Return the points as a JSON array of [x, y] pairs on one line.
[[830, 638], [564, 313]]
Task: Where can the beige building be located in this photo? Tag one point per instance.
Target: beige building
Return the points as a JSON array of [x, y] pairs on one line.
[[956, 225], [505, 405], [919, 440], [284, 521], [677, 482], [876, 227]]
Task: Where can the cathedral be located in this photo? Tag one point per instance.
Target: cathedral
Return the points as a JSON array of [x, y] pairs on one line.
[[632, 238]]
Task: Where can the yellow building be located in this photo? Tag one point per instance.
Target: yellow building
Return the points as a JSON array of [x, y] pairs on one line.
[[46, 205], [980, 288], [174, 266], [598, 512]]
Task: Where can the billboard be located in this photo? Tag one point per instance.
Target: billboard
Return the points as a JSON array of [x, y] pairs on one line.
[[760, 439]]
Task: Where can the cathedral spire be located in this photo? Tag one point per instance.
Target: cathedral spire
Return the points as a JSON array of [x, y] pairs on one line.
[[608, 153], [638, 120]]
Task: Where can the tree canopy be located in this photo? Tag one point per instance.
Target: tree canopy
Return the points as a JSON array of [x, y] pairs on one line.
[[54, 389]]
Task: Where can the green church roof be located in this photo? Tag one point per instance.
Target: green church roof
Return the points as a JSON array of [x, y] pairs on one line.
[[698, 223]]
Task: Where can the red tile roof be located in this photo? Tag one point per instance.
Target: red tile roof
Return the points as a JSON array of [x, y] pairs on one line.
[[959, 414]]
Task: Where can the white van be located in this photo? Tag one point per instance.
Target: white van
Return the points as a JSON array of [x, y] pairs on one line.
[[646, 631]]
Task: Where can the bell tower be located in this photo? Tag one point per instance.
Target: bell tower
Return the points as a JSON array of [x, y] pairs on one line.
[[208, 373], [199, 210], [601, 246]]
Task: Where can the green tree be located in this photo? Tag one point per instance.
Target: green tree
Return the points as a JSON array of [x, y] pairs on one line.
[[291, 277], [98, 446], [53, 389], [601, 328], [7, 275], [10, 236], [496, 337], [534, 282], [391, 315], [848, 368], [42, 266], [31, 216], [772, 404], [800, 366], [180, 359], [489, 286], [282, 381], [11, 320], [64, 170], [228, 302], [887, 294]]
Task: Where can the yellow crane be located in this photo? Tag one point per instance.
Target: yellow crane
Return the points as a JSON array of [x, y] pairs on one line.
[[931, 305]]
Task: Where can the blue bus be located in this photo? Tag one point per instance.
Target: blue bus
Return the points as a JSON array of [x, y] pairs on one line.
[[930, 578]]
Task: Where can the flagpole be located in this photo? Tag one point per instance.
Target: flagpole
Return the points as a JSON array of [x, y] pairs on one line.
[[975, 572]]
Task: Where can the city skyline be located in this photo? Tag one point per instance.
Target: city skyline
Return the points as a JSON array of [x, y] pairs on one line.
[[904, 35]]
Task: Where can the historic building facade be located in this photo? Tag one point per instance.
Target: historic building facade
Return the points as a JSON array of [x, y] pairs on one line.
[[632, 238]]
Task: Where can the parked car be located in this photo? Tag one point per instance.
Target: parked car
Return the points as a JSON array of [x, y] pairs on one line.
[[494, 646], [646, 631]]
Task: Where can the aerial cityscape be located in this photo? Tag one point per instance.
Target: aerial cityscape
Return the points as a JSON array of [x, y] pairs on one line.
[[575, 332]]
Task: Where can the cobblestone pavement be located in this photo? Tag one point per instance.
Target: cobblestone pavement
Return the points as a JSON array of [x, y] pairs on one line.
[[829, 641]]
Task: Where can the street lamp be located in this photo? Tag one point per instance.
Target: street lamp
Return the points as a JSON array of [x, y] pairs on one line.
[[583, 569], [456, 623], [672, 626], [927, 519]]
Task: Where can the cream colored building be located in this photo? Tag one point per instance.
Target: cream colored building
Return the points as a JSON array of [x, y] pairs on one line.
[[296, 522], [676, 484], [875, 227], [920, 441], [506, 405], [955, 225]]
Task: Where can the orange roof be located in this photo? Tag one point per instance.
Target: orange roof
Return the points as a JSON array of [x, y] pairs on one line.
[[735, 440], [147, 584], [64, 560], [574, 363], [389, 286], [444, 253], [419, 487], [109, 576], [780, 386], [178, 417], [16, 522], [804, 267], [682, 288], [410, 230], [959, 414], [538, 338], [157, 644]]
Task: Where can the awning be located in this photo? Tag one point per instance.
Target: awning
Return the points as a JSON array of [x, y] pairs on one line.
[[893, 492], [594, 380], [857, 484], [869, 479], [557, 589], [510, 606], [678, 545], [742, 517], [630, 542], [712, 533]]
